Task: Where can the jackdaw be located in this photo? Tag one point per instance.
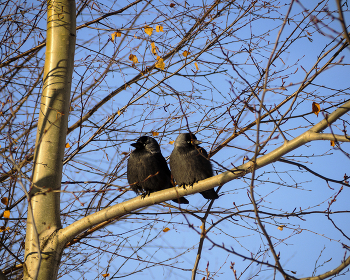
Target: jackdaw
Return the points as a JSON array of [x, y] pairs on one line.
[[147, 169], [189, 163]]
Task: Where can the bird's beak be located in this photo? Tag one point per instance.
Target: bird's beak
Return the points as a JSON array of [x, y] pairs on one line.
[[134, 145], [195, 142]]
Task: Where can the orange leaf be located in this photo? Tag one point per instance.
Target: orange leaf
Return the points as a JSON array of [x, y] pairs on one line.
[[2, 228], [171, 142], [154, 133], [67, 145], [195, 64], [281, 227], [119, 113], [166, 229], [5, 200], [160, 64], [159, 28], [105, 275], [185, 53], [115, 34], [7, 214], [148, 30], [154, 48], [332, 143], [133, 58], [316, 108]]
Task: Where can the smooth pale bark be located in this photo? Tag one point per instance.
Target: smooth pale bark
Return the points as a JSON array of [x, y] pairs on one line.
[[43, 219]]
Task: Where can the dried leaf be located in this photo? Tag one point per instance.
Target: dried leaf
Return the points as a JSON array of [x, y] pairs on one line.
[[125, 153], [119, 113], [148, 30], [133, 58], [186, 53], [5, 200], [166, 229], [159, 28], [171, 142], [154, 48], [160, 64], [316, 109], [195, 64], [115, 34], [67, 145], [2, 228], [332, 143], [154, 133], [281, 227], [172, 5], [6, 214], [105, 275]]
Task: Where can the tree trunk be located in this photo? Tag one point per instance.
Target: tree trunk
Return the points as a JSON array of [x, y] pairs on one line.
[[43, 220]]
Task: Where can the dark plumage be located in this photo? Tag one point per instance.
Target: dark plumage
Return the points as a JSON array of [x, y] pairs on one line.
[[189, 163], [147, 169]]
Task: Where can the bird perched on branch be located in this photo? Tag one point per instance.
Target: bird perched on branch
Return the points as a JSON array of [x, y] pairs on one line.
[[147, 169], [189, 163]]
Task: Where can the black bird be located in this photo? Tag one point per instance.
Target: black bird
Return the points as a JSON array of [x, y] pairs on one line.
[[189, 163], [147, 170]]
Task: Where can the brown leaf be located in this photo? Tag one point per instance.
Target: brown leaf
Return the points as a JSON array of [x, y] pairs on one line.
[[5, 200], [186, 53], [316, 109], [133, 58], [332, 143], [154, 133]]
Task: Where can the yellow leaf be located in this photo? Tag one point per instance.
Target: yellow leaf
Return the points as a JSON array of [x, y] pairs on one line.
[[201, 227], [332, 144], [67, 145], [115, 34], [281, 227], [160, 64], [154, 133], [7, 214], [316, 108], [185, 53], [119, 113], [105, 275], [171, 142], [148, 30], [159, 28], [195, 64], [5, 200], [166, 229], [133, 58], [2, 228], [154, 48]]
